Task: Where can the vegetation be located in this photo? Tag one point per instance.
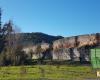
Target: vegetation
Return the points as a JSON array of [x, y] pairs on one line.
[[10, 49], [12, 55], [35, 38], [47, 72], [12, 43]]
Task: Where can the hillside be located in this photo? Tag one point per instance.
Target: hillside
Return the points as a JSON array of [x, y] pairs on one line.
[[75, 48], [35, 38]]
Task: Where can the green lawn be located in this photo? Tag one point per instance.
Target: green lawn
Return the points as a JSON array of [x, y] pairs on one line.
[[47, 72]]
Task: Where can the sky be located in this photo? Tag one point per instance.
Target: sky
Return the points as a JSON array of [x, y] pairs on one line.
[[53, 17]]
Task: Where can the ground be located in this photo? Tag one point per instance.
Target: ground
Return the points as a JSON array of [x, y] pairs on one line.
[[47, 72]]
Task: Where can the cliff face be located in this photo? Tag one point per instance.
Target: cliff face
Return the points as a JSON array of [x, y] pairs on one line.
[[34, 49], [30, 41], [77, 41], [75, 48]]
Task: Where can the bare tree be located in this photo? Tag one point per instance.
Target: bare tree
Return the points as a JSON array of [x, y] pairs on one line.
[[12, 49], [38, 52]]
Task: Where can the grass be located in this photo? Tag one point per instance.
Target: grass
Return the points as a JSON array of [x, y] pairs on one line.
[[47, 72]]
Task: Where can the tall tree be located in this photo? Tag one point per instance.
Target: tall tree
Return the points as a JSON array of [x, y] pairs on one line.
[[38, 52], [10, 48], [14, 53]]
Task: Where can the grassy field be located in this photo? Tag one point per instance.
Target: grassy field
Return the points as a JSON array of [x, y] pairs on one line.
[[47, 72]]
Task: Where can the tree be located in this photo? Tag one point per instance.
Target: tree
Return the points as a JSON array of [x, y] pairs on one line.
[[10, 45], [39, 50], [14, 53], [31, 53]]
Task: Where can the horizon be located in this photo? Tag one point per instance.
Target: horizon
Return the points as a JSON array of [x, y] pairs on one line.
[[53, 17]]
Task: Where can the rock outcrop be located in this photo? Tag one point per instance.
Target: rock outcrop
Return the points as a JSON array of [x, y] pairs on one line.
[[34, 49], [75, 48]]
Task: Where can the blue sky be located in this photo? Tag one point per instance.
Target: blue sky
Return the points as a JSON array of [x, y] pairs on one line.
[[54, 17]]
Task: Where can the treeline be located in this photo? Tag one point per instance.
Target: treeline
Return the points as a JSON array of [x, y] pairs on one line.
[[38, 37], [12, 43], [10, 48]]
